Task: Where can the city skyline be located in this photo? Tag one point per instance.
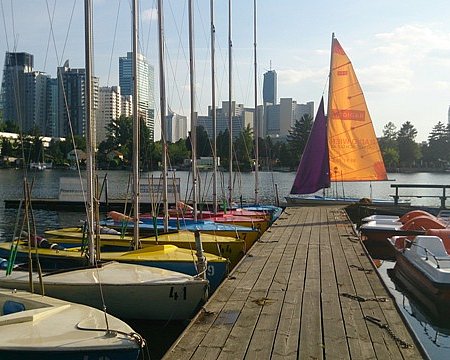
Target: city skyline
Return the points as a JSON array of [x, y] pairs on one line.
[[401, 58]]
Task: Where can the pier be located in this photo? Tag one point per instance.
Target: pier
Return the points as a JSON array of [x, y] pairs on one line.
[[307, 289]]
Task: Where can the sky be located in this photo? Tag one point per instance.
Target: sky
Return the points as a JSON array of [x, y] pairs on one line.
[[400, 49]]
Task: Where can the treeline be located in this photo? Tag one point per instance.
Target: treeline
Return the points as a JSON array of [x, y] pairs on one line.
[[398, 146]]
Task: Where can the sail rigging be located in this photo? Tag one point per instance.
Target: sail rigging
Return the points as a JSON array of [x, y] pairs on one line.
[[342, 146], [352, 144]]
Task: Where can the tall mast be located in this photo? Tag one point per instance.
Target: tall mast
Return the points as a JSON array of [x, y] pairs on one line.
[[230, 117], [136, 127], [90, 147], [213, 107], [330, 80], [193, 117], [162, 102], [256, 122]]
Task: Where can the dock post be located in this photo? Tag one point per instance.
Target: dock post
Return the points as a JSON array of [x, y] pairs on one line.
[[443, 198]]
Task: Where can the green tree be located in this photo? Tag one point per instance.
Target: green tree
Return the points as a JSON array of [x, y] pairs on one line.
[[389, 146], [298, 137], [203, 144], [437, 151], [243, 147], [223, 146], [409, 151]]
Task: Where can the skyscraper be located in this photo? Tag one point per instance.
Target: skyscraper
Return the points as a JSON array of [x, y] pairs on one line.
[[71, 101], [270, 88], [14, 83], [146, 101]]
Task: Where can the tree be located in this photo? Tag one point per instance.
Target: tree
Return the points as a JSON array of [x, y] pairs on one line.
[[437, 152], [409, 151], [298, 137], [203, 144], [223, 146], [243, 147], [389, 146]]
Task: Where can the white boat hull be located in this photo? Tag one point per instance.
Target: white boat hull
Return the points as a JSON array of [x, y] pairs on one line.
[[40, 327], [129, 291]]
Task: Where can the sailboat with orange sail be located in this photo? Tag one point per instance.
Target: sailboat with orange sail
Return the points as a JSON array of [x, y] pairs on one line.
[[342, 146]]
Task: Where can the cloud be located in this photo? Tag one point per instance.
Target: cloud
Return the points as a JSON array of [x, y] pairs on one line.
[[149, 15], [295, 76]]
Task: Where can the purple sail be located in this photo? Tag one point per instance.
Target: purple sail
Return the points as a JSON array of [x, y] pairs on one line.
[[313, 173]]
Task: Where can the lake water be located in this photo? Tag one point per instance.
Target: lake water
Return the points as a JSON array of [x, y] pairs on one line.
[[435, 338]]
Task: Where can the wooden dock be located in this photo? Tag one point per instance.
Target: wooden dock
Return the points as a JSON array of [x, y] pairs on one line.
[[303, 291]]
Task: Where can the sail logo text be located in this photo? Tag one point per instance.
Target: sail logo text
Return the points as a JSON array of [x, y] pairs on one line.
[[356, 115]]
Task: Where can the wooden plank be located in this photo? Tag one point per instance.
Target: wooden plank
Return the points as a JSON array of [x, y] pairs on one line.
[[335, 342], [285, 300]]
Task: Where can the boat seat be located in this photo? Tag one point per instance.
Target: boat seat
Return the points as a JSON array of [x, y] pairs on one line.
[[11, 307], [434, 245], [444, 234]]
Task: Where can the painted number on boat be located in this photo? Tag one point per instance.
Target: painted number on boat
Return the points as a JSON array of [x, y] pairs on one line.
[[176, 296], [210, 270]]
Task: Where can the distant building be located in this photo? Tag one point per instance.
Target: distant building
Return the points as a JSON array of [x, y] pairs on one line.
[[241, 118], [176, 127], [24, 93], [109, 108], [448, 116], [281, 118], [71, 101], [145, 86], [270, 88]]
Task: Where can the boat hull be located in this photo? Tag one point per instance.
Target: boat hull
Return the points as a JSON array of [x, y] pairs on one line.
[[41, 327], [127, 292], [168, 258]]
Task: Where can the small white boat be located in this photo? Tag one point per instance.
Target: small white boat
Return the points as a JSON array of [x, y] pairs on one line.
[[125, 290], [380, 231], [423, 266], [41, 327]]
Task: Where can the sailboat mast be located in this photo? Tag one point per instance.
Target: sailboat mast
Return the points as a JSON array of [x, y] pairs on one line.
[[330, 79], [330, 95], [256, 122], [136, 127], [230, 117], [162, 102], [90, 146], [193, 116], [213, 107]]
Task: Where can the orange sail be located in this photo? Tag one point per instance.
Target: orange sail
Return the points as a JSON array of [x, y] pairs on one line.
[[354, 153]]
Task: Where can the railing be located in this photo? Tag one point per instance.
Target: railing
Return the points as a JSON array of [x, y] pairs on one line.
[[442, 197]]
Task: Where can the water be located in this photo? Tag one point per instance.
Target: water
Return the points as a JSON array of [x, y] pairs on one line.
[[434, 336]]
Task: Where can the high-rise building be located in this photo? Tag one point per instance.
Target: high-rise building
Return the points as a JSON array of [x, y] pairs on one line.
[[281, 118], [270, 88], [14, 98], [145, 86], [241, 118], [71, 101], [109, 109], [176, 127]]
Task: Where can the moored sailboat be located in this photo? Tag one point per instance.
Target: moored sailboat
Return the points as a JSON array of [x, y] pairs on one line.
[[40, 327], [145, 284], [342, 146]]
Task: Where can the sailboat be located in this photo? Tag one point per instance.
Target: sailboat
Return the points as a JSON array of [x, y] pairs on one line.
[[40, 327], [342, 146], [126, 290]]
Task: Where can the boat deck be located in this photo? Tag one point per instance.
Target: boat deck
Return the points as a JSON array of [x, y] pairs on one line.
[[302, 291]]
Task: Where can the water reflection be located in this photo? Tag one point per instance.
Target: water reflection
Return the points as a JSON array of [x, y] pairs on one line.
[[433, 332]]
